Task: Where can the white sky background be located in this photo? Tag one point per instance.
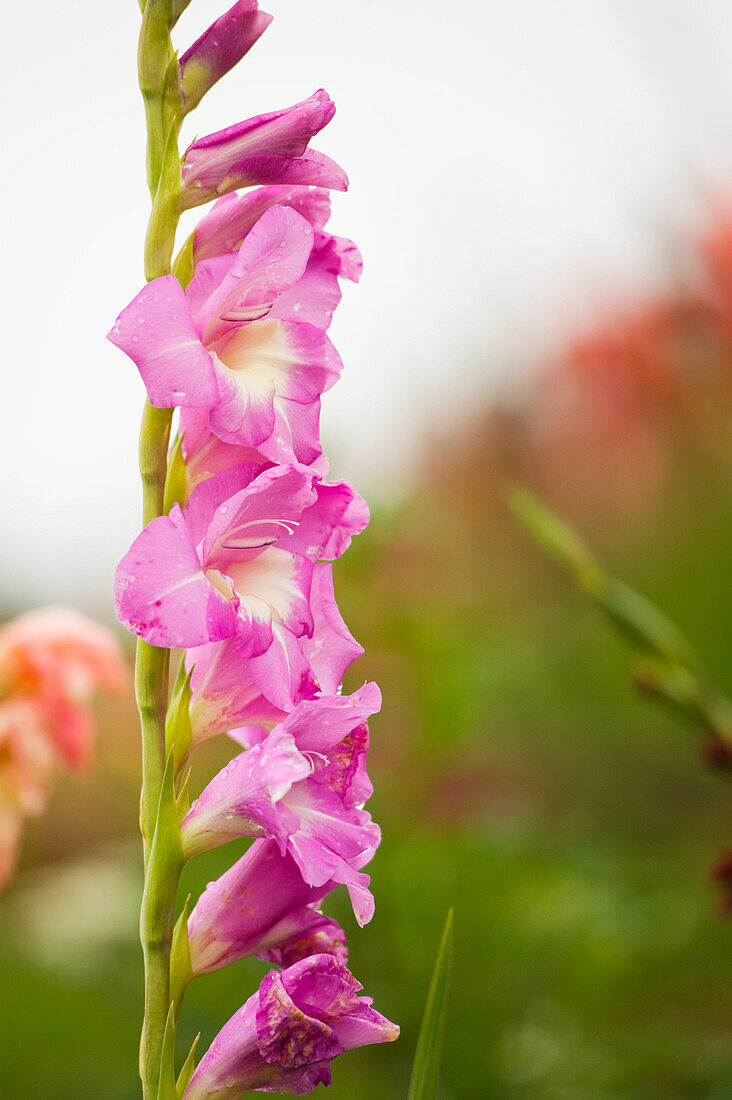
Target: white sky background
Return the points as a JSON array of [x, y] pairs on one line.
[[510, 163]]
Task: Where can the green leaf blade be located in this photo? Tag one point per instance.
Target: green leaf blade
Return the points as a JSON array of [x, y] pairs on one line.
[[427, 1057]]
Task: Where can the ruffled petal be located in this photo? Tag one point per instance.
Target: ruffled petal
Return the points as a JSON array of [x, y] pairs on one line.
[[162, 593]]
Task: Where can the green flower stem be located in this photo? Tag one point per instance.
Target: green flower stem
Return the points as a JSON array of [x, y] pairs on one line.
[[158, 75], [152, 663]]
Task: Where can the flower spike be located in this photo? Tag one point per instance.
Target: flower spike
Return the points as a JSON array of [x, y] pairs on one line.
[[234, 566]]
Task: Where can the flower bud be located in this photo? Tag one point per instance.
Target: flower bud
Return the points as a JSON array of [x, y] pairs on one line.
[[219, 49], [270, 148]]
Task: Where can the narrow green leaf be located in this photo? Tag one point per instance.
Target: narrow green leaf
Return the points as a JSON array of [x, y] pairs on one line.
[[180, 960], [164, 866], [175, 478], [183, 262], [183, 798], [179, 6], [426, 1066], [166, 1085], [184, 1077], [178, 731], [171, 100]]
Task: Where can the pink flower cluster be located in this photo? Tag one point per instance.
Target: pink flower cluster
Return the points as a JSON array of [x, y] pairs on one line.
[[52, 661], [239, 575]]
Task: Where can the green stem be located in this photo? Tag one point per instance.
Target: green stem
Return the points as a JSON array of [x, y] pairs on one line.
[[157, 917]]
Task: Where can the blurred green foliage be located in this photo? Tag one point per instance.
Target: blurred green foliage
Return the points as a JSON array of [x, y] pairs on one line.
[[518, 778]]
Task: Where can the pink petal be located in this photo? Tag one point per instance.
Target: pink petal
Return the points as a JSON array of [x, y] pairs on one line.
[[161, 591], [272, 258], [242, 800], [315, 297], [158, 333], [318, 725], [261, 362], [207, 278], [331, 649], [224, 228], [282, 673], [327, 527], [312, 168], [205, 454], [329, 835], [256, 516], [274, 588], [225, 694]]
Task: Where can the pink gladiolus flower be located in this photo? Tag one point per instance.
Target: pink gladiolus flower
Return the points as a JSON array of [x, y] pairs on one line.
[[215, 346], [239, 565], [303, 785], [224, 570], [58, 658], [271, 149], [285, 1036], [261, 906], [219, 49]]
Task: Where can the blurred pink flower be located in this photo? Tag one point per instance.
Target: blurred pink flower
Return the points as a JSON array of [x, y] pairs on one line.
[[52, 661], [27, 764], [59, 658]]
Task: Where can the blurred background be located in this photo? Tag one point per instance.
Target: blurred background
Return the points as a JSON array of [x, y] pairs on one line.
[[541, 194]]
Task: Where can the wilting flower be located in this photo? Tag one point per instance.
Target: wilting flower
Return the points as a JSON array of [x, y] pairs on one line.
[[270, 148], [224, 346], [261, 906], [219, 49], [285, 1036], [304, 786]]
